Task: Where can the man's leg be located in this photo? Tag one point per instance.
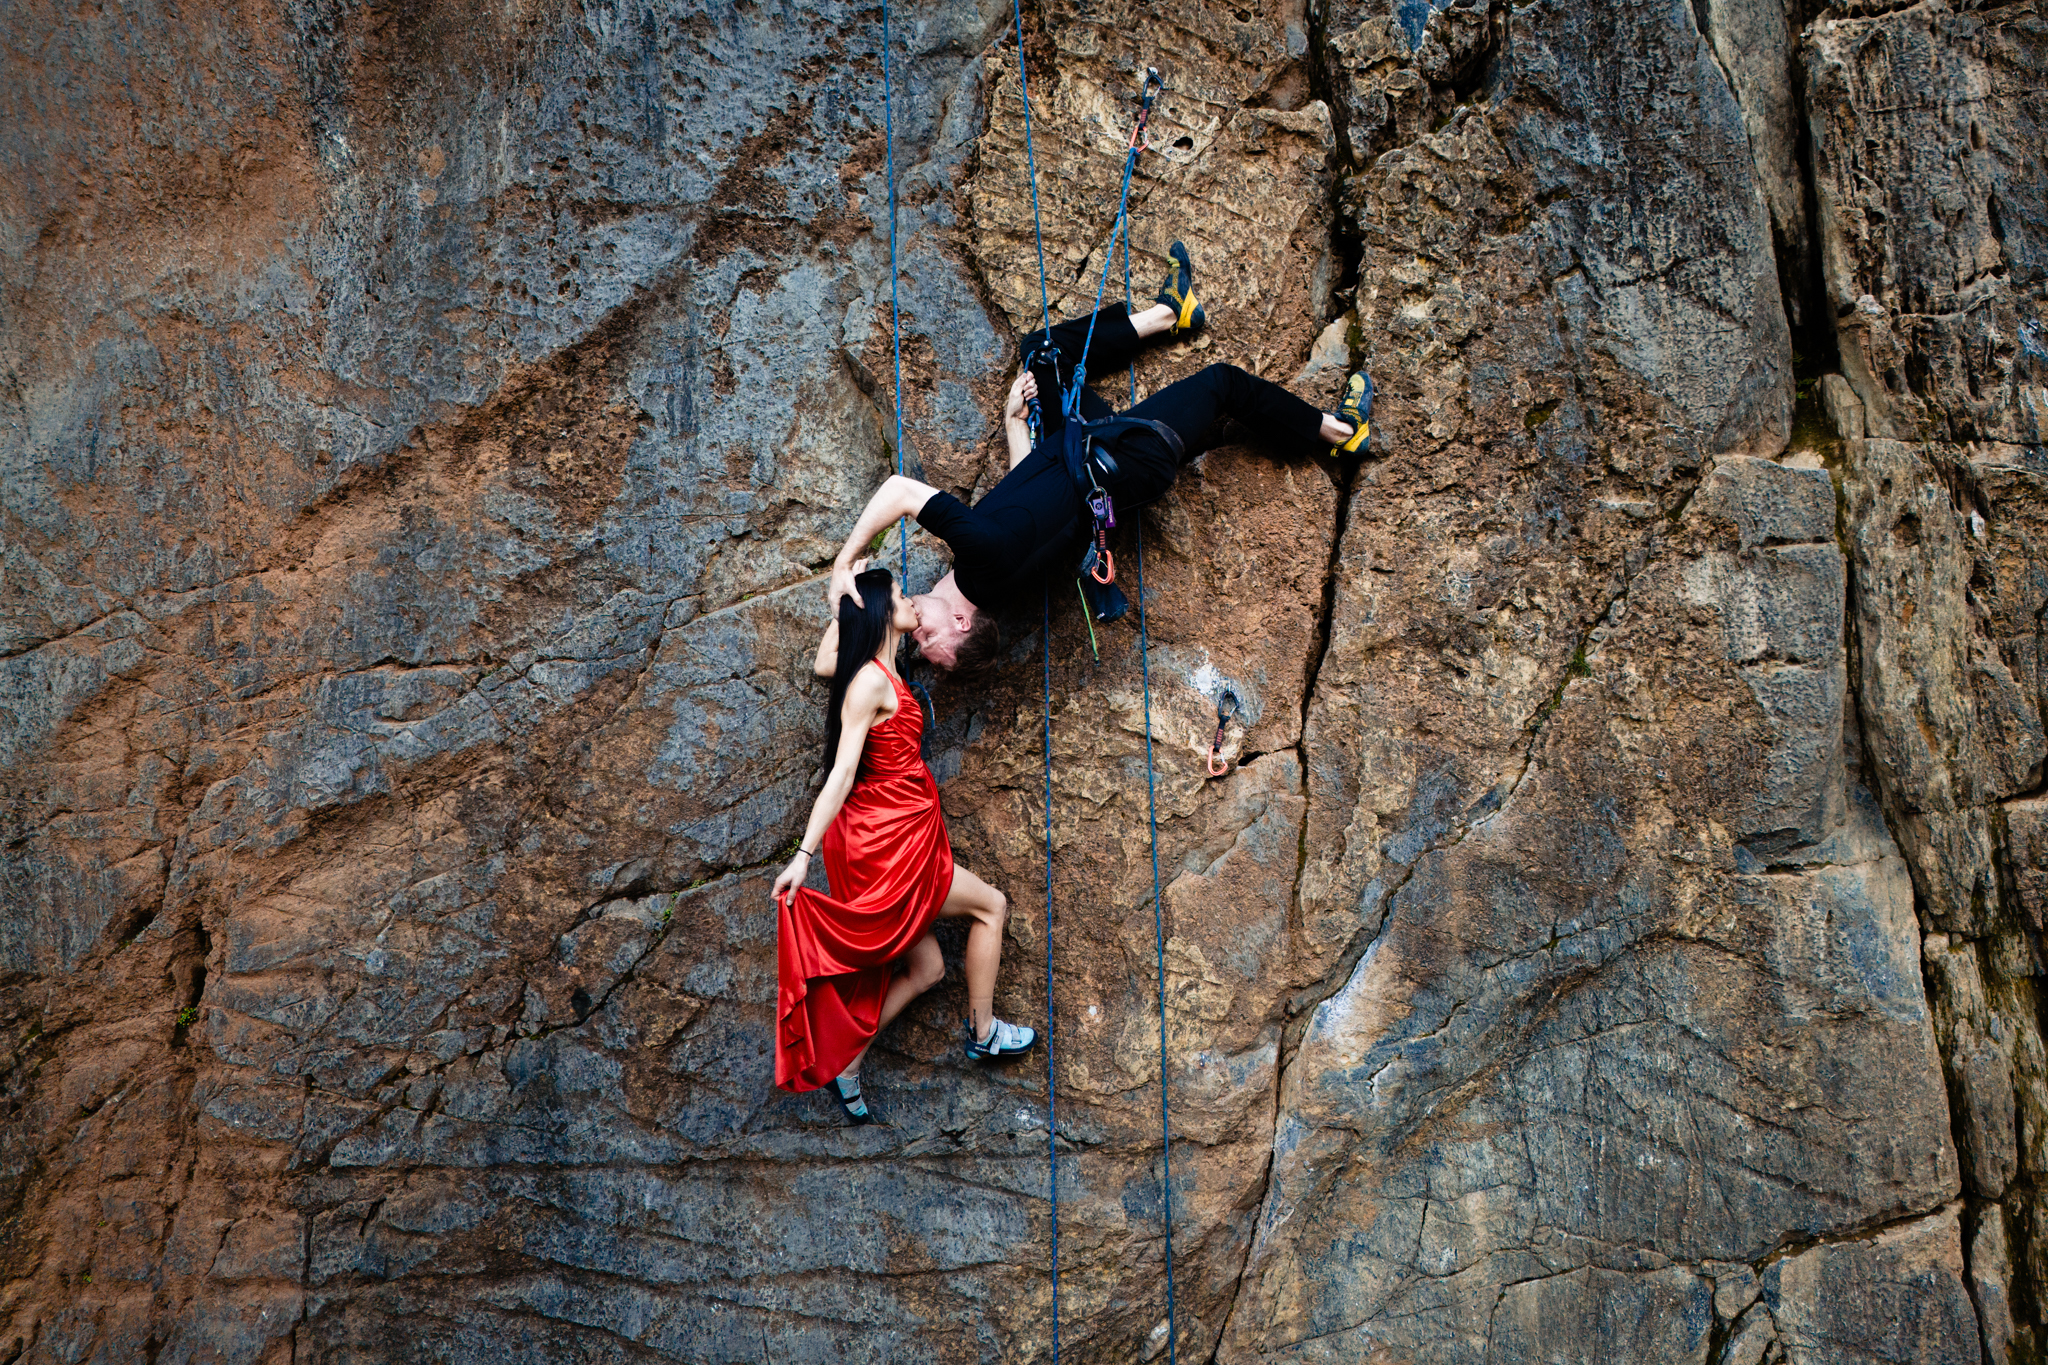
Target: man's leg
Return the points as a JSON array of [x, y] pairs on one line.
[[1117, 338], [1196, 406]]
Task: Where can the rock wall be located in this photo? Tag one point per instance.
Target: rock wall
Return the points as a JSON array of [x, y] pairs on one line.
[[1617, 937]]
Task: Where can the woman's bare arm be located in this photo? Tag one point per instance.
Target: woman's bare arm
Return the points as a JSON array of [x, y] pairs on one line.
[[869, 698]]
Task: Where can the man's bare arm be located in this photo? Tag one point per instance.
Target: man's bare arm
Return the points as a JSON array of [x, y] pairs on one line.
[[899, 496], [1016, 421]]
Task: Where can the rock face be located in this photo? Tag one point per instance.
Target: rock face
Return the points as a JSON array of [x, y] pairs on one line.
[[1617, 936]]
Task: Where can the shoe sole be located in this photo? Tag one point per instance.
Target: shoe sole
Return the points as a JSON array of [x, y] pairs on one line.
[[1190, 318], [1363, 434]]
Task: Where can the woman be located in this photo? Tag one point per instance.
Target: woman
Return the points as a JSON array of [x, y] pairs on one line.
[[850, 962]]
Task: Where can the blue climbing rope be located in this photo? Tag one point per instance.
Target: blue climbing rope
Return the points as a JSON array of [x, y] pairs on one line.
[[1158, 917], [1052, 1150], [1071, 405], [895, 308], [896, 342], [1031, 170], [1052, 1154], [1159, 944], [1071, 400]]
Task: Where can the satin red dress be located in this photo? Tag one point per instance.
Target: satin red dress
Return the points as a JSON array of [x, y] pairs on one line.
[[890, 865]]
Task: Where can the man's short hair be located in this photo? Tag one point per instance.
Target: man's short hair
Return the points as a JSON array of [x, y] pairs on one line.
[[979, 646]]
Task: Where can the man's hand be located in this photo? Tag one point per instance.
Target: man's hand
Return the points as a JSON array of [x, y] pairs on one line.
[[1022, 391], [841, 584]]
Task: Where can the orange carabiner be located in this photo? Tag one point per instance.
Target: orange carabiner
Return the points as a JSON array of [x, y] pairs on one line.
[[1217, 768], [1108, 563]]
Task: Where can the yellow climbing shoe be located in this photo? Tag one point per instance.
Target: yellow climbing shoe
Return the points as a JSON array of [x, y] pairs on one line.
[[1356, 410], [1178, 293]]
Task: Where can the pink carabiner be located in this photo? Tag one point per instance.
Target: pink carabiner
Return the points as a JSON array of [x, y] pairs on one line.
[[1217, 767]]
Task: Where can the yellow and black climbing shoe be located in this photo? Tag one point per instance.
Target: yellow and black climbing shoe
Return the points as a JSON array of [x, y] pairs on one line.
[[1178, 293], [1356, 411]]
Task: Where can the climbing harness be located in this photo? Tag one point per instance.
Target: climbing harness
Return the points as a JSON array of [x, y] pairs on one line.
[[1227, 710]]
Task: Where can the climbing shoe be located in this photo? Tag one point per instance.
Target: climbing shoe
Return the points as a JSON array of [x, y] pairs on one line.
[[1004, 1041], [1178, 293], [848, 1094], [1356, 409]]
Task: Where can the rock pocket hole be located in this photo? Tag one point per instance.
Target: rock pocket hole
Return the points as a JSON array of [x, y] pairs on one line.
[[188, 980]]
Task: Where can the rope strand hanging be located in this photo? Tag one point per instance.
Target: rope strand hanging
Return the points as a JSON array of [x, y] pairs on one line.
[[896, 338], [1070, 403], [895, 305], [1052, 1151], [1158, 914]]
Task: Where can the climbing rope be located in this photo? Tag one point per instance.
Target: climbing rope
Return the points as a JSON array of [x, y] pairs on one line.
[[1158, 915], [1031, 170], [895, 307], [1071, 400], [1070, 403], [896, 343], [1052, 1151]]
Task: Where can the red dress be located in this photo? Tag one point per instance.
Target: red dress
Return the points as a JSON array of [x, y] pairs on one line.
[[888, 858]]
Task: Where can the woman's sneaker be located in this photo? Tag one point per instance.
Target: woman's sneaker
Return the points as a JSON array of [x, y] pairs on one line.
[[1178, 293], [1356, 410], [848, 1095], [1004, 1041]]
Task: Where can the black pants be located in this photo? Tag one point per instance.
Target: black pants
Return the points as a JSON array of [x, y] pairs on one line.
[[1196, 407]]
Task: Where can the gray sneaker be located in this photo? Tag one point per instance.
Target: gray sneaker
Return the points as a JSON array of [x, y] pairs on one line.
[[1004, 1041]]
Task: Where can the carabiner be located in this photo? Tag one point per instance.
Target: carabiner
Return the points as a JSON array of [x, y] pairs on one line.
[[1108, 562], [1227, 709]]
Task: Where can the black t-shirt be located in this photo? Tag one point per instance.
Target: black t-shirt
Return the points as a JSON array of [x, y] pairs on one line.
[[1029, 526]]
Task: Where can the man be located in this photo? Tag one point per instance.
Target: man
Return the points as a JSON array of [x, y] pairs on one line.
[[1034, 525]]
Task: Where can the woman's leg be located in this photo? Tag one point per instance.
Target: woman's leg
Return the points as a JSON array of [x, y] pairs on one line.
[[989, 909], [923, 966]]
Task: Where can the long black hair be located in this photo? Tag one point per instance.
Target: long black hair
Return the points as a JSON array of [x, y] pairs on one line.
[[861, 632]]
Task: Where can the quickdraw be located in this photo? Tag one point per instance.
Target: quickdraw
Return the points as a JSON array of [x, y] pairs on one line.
[[1228, 709], [1102, 565]]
